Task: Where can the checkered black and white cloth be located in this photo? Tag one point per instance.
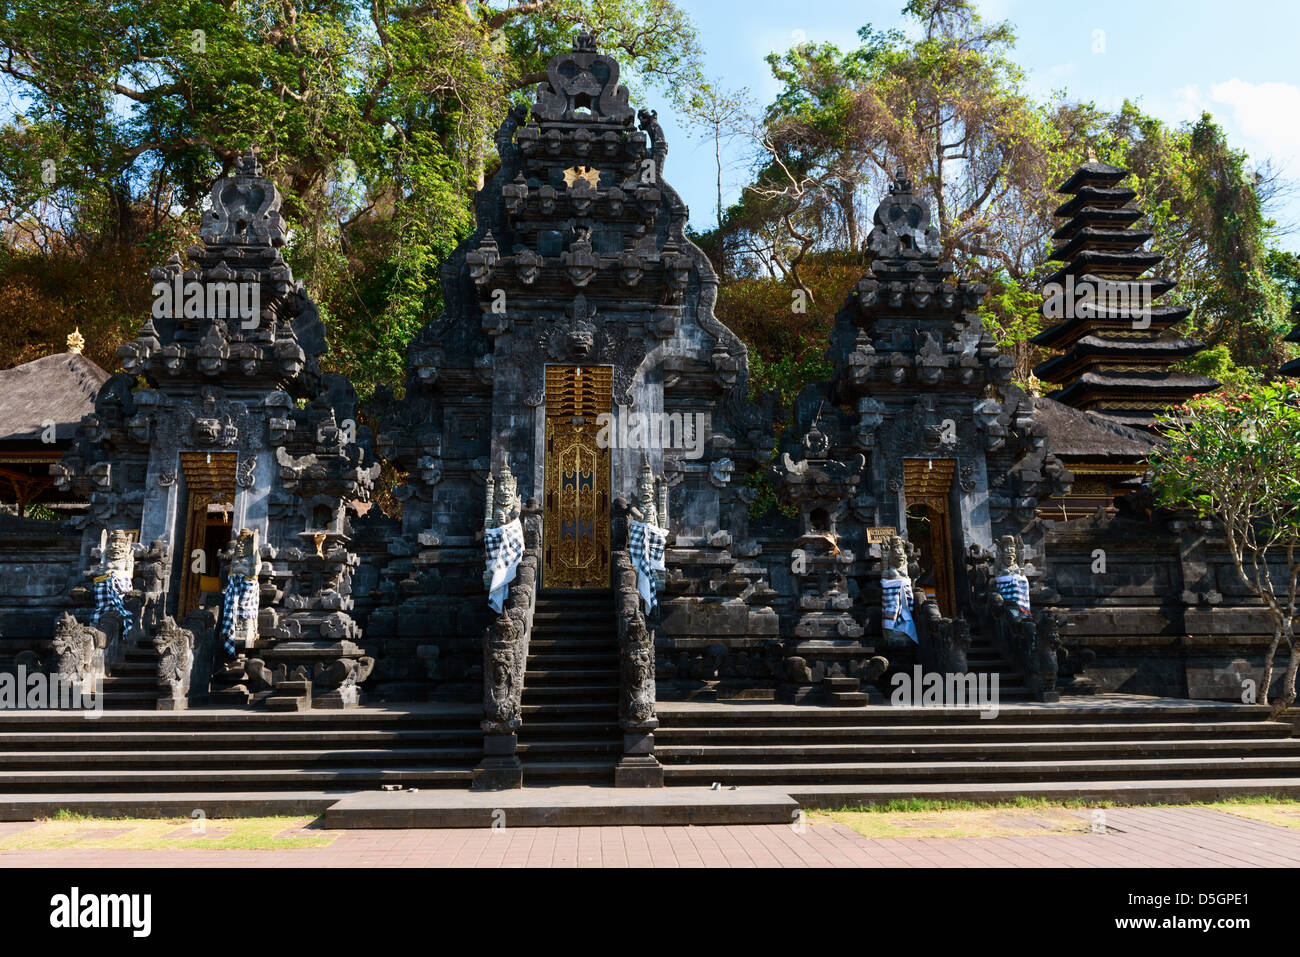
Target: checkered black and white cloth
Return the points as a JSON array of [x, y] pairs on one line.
[[1014, 590], [240, 602], [109, 590], [504, 547], [896, 606], [647, 544]]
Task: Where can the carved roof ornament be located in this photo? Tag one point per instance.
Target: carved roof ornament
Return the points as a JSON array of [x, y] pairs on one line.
[[582, 86], [902, 227], [245, 208], [76, 341], [588, 173]]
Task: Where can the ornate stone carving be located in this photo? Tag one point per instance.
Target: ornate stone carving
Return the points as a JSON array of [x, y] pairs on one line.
[[79, 649], [583, 85], [175, 648]]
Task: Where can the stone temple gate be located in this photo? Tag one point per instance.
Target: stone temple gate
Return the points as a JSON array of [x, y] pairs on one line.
[[581, 543]]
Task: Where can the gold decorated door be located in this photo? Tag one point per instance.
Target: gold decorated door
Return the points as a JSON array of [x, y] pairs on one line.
[[576, 509]]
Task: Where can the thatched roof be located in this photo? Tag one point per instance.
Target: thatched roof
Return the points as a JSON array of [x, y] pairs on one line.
[[59, 388], [1076, 434]]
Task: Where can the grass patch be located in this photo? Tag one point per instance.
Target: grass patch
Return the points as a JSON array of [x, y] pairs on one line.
[[1023, 816], [983, 822], [67, 829], [927, 805]]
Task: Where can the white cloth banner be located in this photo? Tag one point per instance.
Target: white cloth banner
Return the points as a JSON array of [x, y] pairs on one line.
[[504, 547], [896, 606], [646, 544]]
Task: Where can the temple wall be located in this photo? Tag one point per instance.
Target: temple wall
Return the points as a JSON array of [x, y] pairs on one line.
[[39, 566], [1167, 616]]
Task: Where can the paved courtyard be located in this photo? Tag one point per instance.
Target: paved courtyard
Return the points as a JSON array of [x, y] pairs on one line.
[[1248, 836]]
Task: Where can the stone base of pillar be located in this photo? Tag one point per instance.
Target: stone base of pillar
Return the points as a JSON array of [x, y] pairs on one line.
[[639, 768], [500, 769]]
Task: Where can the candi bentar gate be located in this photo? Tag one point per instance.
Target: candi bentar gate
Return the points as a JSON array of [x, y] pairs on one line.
[[580, 588]]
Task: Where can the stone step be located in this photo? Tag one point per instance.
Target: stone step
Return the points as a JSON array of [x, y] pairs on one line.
[[842, 683], [540, 728], [147, 682], [65, 760], [782, 775], [566, 659], [220, 719], [118, 741], [572, 806], [561, 675], [985, 731], [678, 715], [578, 618], [975, 751], [570, 745], [597, 771], [573, 646], [591, 694], [242, 779], [136, 669], [128, 699], [567, 707], [849, 699]]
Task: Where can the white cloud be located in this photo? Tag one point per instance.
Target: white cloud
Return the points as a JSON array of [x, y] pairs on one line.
[[1265, 115]]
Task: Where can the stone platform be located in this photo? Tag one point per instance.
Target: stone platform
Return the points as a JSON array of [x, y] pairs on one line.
[[562, 807]]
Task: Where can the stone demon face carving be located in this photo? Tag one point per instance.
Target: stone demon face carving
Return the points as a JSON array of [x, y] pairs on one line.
[[581, 340]]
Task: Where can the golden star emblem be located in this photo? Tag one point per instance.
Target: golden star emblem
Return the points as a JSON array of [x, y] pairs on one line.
[[590, 174]]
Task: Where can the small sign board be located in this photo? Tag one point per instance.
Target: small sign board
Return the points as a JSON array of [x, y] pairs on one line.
[[877, 536]]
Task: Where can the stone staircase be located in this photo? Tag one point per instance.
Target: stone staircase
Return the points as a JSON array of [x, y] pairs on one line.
[[570, 732], [984, 657], [868, 754], [219, 751], [133, 683]]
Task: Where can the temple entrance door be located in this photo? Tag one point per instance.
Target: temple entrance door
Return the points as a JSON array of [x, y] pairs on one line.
[[209, 509], [928, 489], [575, 526]]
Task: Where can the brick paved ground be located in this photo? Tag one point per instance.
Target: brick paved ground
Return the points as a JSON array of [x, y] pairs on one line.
[[1136, 837]]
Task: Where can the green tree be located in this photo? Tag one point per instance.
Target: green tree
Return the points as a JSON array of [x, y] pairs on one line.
[[375, 119], [1231, 457]]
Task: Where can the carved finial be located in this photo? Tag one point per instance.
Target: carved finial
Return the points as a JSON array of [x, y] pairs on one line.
[[901, 183], [1092, 155], [76, 341], [247, 164], [584, 43]]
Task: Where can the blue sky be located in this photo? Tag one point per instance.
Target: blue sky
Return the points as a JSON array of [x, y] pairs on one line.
[[1239, 61]]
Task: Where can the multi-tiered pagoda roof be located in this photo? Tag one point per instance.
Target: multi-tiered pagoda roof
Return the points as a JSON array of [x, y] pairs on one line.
[[1114, 343]]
